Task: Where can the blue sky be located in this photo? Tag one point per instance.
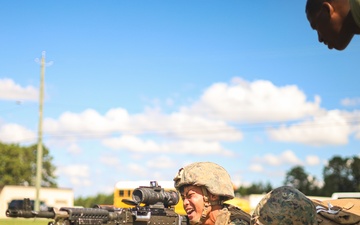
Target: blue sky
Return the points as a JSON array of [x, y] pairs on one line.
[[134, 90]]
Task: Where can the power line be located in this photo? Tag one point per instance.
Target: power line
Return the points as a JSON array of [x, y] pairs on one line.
[[194, 131]]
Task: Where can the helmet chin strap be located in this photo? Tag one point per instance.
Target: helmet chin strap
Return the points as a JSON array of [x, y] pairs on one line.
[[206, 209]]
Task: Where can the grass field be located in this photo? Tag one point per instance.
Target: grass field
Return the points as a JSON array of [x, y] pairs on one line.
[[24, 221]]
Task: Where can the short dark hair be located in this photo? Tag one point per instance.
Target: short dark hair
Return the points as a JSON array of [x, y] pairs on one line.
[[313, 6]]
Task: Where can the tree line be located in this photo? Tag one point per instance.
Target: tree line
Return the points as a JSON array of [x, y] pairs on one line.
[[341, 174]]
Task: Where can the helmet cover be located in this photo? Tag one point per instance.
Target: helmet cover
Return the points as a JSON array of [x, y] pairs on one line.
[[282, 206], [214, 177]]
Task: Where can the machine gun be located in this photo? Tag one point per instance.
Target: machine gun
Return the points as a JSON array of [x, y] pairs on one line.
[[152, 206]]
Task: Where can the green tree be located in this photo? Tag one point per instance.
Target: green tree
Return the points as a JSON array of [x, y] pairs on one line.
[[255, 188], [299, 179], [100, 199], [338, 175], [18, 166], [355, 171]]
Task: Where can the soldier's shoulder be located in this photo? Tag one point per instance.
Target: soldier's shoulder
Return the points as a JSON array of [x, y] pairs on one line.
[[238, 216], [238, 221]]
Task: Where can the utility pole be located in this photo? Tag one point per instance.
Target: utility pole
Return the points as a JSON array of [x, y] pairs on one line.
[[39, 154]]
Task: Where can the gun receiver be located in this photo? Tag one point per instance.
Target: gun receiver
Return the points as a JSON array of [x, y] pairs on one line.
[[157, 210]]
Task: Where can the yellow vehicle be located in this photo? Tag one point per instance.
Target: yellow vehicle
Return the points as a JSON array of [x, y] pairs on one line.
[[241, 203], [124, 190]]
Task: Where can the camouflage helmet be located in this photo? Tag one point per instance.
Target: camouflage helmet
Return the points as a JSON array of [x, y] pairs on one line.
[[282, 206], [214, 177]]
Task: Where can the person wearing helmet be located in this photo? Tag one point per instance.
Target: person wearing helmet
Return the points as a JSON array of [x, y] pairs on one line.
[[283, 206], [335, 21], [204, 186]]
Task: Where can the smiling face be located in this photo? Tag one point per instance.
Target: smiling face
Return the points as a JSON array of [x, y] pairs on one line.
[[329, 25]]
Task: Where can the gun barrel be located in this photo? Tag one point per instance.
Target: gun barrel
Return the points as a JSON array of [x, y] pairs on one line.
[[30, 214]]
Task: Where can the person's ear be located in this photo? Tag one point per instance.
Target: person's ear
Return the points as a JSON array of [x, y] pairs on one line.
[[214, 197], [327, 8]]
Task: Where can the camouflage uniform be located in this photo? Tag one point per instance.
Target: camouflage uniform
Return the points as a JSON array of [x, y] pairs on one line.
[[284, 206], [237, 216], [215, 179]]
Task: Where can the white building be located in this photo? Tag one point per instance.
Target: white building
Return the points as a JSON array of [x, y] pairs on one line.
[[54, 197]]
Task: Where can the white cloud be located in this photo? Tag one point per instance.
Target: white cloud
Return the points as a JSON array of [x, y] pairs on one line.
[[330, 129], [204, 121], [78, 174], [199, 147], [200, 128], [137, 169], [9, 90], [353, 119], [110, 161], [74, 148], [289, 156], [350, 101], [135, 144], [75, 170], [286, 157], [132, 143], [169, 102], [258, 101], [162, 162], [256, 168], [312, 160], [272, 160], [10, 133], [185, 126], [239, 101], [189, 126], [89, 122], [77, 182]]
